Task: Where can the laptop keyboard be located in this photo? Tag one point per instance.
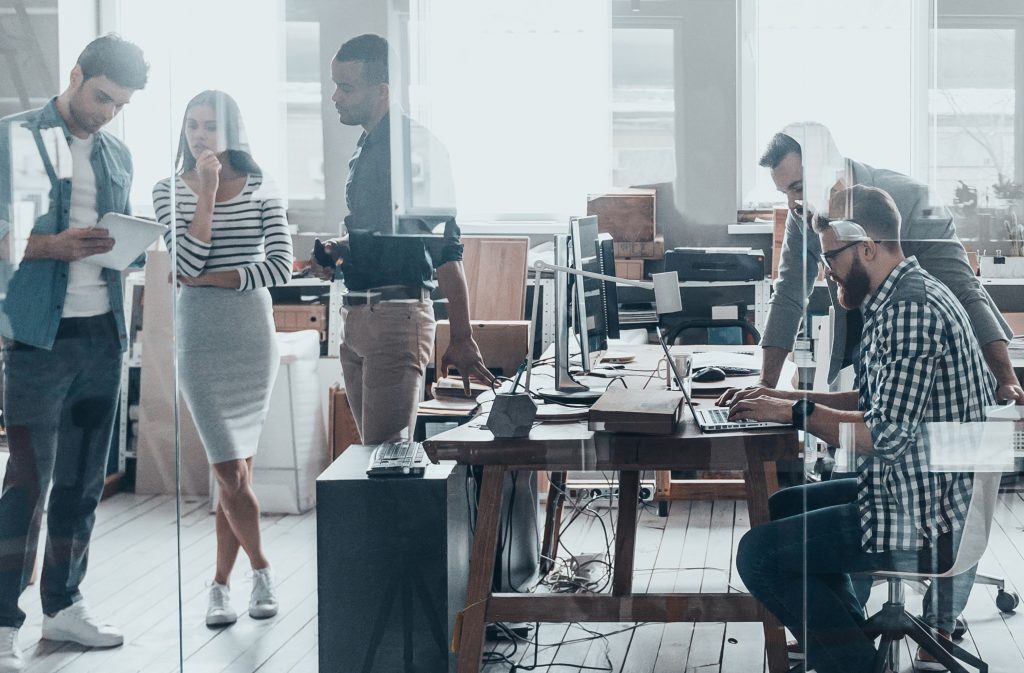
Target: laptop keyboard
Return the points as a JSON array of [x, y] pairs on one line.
[[720, 416]]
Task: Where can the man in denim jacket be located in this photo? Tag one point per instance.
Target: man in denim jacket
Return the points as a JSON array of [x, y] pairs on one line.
[[63, 334]]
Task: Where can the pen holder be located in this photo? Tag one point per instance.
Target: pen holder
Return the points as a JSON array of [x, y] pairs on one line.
[[511, 415]]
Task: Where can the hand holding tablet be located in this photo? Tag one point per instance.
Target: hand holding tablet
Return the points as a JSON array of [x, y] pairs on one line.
[[132, 235]]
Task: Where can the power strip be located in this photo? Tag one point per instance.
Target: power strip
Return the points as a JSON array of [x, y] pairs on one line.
[[598, 491]]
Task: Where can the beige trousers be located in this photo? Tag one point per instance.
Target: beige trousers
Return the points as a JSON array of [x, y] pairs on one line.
[[384, 355]]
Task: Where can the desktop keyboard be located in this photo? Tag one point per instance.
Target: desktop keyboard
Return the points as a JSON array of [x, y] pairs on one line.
[[398, 459], [738, 371]]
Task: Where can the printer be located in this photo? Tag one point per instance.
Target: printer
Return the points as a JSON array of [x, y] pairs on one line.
[[716, 264]]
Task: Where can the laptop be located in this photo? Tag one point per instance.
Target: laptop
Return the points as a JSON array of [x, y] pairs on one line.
[[712, 419]]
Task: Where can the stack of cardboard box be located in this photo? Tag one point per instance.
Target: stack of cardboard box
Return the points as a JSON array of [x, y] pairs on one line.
[[629, 216]]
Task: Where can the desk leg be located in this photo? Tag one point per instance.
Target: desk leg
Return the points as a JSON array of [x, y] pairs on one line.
[[625, 534], [762, 480], [552, 521], [481, 569]]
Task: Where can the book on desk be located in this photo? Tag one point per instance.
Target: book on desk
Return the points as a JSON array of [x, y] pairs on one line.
[[643, 411]]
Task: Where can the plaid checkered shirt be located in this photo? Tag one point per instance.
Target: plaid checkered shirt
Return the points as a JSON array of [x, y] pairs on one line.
[[919, 362]]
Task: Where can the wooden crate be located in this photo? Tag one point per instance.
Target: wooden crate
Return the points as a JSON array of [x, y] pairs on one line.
[[341, 425], [298, 317], [627, 214], [640, 249], [630, 269]]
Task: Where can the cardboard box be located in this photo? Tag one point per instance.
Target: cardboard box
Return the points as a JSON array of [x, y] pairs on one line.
[[1015, 321], [630, 269], [298, 317], [627, 214], [341, 425], [502, 343], [640, 249]]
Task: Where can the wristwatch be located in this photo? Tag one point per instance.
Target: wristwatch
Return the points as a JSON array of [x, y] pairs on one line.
[[802, 408]]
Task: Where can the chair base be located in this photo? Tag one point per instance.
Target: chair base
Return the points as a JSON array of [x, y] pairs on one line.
[[893, 623]]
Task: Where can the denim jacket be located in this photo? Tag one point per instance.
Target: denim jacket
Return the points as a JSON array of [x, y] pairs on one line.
[[31, 310]]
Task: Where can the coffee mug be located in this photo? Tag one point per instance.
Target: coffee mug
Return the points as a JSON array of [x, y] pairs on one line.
[[683, 363]]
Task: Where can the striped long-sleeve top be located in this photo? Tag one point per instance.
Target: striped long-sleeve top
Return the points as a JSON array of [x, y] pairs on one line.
[[250, 234]]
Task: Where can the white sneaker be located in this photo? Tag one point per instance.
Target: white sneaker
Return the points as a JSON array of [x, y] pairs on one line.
[[11, 660], [219, 612], [75, 624], [263, 603]]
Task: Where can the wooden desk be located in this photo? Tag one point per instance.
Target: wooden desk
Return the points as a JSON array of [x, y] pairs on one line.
[[571, 446]]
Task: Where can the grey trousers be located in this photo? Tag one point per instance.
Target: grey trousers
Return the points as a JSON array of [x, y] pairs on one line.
[[383, 357], [59, 407]]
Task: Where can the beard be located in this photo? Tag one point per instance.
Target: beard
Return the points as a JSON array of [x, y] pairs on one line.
[[853, 289]]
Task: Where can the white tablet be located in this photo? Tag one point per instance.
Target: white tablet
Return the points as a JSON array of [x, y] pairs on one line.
[[132, 235]]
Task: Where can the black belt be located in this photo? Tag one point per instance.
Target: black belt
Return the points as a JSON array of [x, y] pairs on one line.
[[388, 293]]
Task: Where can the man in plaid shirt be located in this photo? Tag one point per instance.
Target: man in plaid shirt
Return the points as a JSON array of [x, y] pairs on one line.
[[919, 362]]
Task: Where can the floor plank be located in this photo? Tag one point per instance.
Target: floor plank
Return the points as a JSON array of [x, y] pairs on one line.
[[133, 580]]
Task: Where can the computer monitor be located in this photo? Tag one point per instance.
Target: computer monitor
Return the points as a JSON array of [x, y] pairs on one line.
[[609, 316], [585, 293], [565, 386]]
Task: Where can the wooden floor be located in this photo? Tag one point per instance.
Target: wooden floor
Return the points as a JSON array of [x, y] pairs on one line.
[[132, 582]]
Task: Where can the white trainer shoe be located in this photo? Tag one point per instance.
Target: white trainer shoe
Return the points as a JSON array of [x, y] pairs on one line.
[[11, 660], [263, 603], [75, 624], [220, 612]]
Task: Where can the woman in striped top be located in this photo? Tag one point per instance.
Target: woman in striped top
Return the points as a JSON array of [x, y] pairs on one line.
[[232, 242]]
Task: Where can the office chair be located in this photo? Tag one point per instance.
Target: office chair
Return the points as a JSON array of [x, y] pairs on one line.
[[750, 333], [893, 623]]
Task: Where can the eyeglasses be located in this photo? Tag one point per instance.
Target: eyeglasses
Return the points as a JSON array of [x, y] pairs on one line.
[[846, 230], [828, 257]]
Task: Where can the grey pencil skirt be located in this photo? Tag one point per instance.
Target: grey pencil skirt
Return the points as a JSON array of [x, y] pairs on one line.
[[227, 363]]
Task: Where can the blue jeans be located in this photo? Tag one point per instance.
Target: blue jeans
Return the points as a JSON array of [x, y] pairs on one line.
[[59, 406], [800, 564]]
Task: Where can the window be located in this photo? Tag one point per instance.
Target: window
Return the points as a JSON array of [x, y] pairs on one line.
[[643, 105], [303, 89], [974, 110], [847, 65], [535, 138]]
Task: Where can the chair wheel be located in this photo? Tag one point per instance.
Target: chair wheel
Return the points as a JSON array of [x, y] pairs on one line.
[[960, 629], [1007, 601]]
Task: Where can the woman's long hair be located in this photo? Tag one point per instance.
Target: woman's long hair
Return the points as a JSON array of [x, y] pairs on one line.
[[229, 126]]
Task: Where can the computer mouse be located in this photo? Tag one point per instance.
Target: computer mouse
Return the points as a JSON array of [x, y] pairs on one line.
[[708, 375]]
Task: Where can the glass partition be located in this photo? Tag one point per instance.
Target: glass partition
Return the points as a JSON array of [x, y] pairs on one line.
[[325, 214], [90, 517]]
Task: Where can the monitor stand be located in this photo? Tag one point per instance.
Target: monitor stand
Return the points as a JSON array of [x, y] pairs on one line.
[[578, 394], [568, 389]]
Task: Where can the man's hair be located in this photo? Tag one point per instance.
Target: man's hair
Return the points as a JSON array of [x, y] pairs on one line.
[[372, 52], [778, 147], [870, 207], [121, 61]]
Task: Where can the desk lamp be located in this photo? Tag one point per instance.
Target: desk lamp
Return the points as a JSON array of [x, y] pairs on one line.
[[666, 300]]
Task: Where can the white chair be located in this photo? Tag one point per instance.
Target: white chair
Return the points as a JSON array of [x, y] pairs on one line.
[[893, 623]]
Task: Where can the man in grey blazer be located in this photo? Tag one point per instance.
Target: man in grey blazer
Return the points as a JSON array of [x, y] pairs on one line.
[[932, 240]]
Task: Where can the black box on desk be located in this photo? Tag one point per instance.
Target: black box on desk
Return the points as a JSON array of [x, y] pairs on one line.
[[716, 264], [392, 566]]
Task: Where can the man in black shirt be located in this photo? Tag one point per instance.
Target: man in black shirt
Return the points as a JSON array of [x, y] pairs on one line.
[[389, 318]]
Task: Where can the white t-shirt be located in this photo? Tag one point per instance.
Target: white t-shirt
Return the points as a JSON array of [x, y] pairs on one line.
[[87, 293]]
